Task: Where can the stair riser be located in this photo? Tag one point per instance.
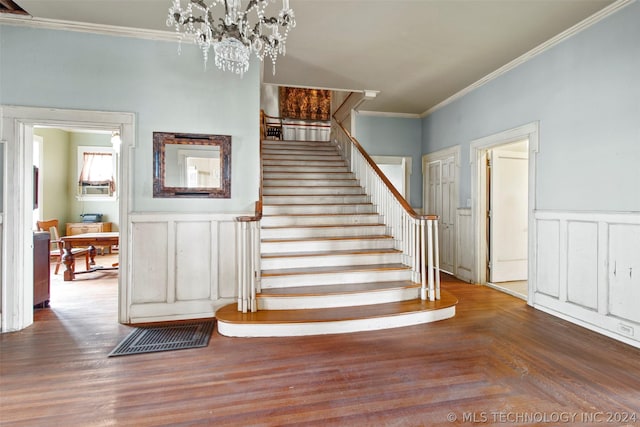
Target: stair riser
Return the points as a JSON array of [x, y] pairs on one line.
[[306, 169], [301, 191], [279, 221], [326, 245], [327, 157], [330, 260], [314, 199], [334, 327], [310, 232], [322, 151], [294, 280], [310, 182], [317, 209], [280, 175], [303, 162], [290, 144], [267, 302]]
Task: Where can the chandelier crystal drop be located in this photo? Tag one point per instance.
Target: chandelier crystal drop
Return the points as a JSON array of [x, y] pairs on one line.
[[236, 32]]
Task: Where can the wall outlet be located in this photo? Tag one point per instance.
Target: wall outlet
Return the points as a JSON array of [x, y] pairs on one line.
[[625, 329]]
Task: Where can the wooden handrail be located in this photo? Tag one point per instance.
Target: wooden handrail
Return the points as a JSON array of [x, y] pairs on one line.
[[407, 207], [256, 217]]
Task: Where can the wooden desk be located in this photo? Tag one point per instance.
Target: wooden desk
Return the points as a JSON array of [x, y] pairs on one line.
[[86, 239], [87, 227]]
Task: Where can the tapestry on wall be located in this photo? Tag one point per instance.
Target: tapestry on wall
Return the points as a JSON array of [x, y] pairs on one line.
[[305, 104]]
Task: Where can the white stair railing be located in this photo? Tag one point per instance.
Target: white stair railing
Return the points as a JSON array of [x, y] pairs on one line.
[[415, 235]]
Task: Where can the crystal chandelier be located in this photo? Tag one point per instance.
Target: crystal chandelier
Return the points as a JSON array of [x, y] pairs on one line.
[[235, 35]]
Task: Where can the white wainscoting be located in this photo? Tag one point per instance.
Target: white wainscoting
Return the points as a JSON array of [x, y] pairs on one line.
[[182, 266], [464, 245], [1, 262], [587, 270]]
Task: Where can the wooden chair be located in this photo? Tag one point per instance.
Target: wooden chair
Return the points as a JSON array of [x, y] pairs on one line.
[[57, 245], [271, 126]]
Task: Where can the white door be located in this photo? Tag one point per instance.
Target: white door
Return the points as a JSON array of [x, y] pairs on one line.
[[441, 198], [508, 221]]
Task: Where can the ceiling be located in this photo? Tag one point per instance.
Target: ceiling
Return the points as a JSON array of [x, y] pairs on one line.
[[416, 53]]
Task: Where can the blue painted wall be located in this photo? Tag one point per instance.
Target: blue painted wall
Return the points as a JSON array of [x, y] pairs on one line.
[[585, 93], [394, 136], [167, 92]]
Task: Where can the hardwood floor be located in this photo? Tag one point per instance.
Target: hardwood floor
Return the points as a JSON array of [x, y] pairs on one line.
[[497, 360]]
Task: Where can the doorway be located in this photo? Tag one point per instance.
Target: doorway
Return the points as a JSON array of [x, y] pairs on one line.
[[507, 218], [18, 125], [78, 189], [508, 185]]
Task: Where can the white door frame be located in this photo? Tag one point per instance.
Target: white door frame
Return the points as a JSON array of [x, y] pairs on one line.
[[406, 163], [434, 157], [478, 160], [16, 298]]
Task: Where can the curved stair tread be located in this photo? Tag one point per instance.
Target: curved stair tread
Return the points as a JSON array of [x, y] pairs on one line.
[[321, 214], [331, 253], [337, 289], [334, 269], [230, 313], [317, 204], [314, 239], [358, 224]]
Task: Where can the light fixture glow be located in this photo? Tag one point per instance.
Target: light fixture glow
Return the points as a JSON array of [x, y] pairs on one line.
[[116, 141]]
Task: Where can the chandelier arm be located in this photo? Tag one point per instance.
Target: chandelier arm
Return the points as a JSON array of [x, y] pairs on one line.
[[201, 3], [251, 5], [233, 37]]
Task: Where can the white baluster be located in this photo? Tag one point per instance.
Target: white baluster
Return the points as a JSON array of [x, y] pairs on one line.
[[432, 295], [423, 270], [436, 258]]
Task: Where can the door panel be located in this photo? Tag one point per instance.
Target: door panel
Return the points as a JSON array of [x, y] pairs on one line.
[[509, 216], [442, 202]]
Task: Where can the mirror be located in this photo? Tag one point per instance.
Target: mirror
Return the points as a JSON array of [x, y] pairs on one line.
[[191, 165]]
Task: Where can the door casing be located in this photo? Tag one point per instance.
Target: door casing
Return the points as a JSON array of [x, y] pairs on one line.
[[17, 250], [478, 160]]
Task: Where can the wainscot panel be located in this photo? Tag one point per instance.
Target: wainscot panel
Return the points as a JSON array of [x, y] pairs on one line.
[[548, 254], [624, 266], [582, 263], [183, 266], [464, 245], [1, 258], [588, 270]]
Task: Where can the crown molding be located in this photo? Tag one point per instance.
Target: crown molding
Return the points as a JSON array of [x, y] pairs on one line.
[[580, 26], [83, 27], [387, 114]]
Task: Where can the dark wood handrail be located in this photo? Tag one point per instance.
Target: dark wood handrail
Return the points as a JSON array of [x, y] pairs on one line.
[[405, 205]]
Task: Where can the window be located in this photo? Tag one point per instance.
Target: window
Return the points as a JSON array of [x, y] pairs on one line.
[[96, 173]]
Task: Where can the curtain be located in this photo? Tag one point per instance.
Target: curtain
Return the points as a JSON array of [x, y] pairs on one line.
[[97, 169]]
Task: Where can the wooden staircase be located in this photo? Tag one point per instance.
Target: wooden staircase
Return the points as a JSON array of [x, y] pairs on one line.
[[328, 263]]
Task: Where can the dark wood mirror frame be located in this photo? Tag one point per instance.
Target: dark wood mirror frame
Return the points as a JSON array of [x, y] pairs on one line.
[[162, 139]]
